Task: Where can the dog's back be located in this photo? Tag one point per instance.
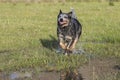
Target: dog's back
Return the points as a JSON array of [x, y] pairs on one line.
[[76, 28], [76, 22]]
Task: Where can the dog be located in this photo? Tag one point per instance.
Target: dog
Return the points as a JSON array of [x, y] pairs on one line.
[[69, 30]]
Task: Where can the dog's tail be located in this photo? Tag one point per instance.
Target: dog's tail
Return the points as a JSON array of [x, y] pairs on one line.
[[73, 13]]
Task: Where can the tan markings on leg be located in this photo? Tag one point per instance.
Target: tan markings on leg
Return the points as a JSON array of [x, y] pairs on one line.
[[68, 44], [73, 44], [62, 45]]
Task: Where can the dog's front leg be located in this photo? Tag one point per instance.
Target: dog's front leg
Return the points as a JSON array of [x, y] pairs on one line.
[[68, 40], [72, 46], [69, 44], [61, 42], [62, 45]]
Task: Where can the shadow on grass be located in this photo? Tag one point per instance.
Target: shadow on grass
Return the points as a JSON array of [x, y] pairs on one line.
[[5, 51], [49, 43]]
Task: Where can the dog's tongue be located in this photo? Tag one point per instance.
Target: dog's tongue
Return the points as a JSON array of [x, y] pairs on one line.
[[61, 23]]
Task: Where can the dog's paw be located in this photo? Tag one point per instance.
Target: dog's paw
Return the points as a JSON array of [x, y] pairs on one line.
[[66, 54]]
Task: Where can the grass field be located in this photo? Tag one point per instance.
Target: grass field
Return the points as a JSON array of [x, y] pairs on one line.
[[28, 34]]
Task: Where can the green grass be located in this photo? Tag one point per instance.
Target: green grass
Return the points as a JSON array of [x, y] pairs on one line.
[[28, 34]]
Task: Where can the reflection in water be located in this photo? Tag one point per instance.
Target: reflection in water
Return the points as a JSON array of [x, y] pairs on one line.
[[17, 75]]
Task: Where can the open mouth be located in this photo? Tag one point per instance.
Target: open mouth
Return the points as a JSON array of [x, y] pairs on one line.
[[63, 22]]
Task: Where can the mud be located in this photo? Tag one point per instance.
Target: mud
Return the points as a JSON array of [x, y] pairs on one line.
[[95, 69], [101, 69]]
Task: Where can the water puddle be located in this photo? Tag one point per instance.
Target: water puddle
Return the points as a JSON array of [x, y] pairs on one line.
[[103, 68], [26, 75], [75, 51], [16, 76], [20, 75]]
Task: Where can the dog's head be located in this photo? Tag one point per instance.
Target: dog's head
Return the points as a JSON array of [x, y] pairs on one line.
[[64, 18]]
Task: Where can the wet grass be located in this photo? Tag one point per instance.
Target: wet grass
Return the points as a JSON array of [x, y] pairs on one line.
[[28, 34]]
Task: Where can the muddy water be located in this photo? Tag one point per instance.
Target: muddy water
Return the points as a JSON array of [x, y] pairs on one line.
[[18, 75], [95, 69], [101, 69], [29, 76], [15, 76]]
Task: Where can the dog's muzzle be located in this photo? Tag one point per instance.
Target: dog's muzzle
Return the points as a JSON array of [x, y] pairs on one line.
[[63, 21]]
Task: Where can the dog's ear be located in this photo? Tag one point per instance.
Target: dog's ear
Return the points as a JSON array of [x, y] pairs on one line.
[[70, 14], [60, 11]]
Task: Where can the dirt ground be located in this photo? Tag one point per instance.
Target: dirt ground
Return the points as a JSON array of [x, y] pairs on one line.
[[101, 69], [95, 69]]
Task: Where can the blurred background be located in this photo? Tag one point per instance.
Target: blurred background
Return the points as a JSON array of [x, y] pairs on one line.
[[38, 1]]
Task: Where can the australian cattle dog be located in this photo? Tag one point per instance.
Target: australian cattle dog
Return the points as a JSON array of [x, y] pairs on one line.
[[69, 30]]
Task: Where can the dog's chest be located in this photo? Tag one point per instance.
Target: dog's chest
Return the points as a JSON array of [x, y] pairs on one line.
[[68, 31]]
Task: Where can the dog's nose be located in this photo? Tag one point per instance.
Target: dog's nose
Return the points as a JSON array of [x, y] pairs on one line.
[[61, 20]]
